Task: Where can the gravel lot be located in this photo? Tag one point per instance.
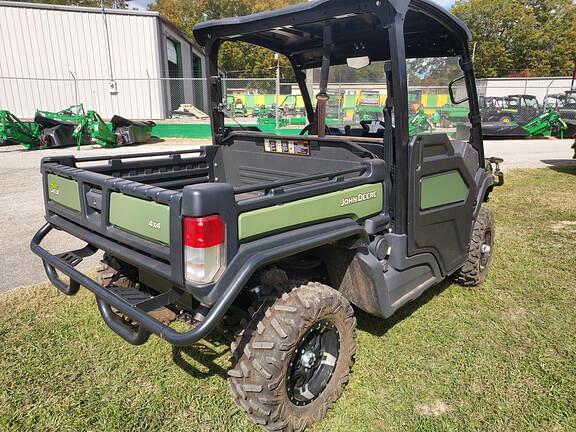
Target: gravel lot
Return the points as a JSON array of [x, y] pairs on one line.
[[21, 206]]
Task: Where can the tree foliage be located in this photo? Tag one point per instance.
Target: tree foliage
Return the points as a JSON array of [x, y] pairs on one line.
[[237, 59], [521, 37]]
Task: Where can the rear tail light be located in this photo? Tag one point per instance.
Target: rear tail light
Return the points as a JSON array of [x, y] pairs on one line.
[[204, 248]]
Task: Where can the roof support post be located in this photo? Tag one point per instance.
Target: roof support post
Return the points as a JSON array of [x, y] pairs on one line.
[[302, 85], [401, 136], [322, 97], [214, 89], [466, 63]]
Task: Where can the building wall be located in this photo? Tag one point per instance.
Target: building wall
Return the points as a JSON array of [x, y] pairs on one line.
[[54, 57], [187, 51], [539, 87]]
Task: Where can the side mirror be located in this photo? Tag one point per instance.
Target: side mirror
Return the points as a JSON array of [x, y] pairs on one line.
[[457, 90]]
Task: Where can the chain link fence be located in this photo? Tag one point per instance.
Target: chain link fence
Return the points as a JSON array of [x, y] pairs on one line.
[[263, 99]]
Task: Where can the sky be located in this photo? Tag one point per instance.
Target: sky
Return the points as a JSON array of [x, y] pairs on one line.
[[141, 4], [445, 3]]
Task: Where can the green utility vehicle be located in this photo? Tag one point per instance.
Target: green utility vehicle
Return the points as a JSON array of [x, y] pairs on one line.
[[519, 109], [279, 236], [368, 107]]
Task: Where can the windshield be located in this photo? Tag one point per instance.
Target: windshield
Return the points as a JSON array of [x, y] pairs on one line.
[[430, 107], [532, 102], [356, 102], [570, 101]]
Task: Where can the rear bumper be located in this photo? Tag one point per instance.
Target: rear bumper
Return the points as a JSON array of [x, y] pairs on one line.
[[249, 258], [106, 299]]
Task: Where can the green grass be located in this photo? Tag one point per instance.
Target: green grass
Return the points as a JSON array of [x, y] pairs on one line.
[[498, 358]]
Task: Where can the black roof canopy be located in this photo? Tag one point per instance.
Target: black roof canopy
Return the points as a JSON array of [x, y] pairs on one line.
[[359, 28]]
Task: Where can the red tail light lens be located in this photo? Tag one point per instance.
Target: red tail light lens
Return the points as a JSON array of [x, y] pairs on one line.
[[204, 232], [204, 248]]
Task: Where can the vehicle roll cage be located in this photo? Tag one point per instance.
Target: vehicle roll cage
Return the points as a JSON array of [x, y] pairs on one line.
[[324, 33]]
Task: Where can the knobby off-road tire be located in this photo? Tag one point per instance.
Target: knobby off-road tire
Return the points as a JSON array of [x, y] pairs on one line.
[[310, 325], [475, 269]]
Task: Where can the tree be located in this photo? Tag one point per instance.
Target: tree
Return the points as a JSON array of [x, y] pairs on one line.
[[521, 37], [237, 59]]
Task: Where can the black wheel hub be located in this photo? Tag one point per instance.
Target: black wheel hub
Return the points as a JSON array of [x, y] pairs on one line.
[[313, 363]]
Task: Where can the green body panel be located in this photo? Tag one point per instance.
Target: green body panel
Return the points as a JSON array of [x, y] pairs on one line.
[[357, 202], [442, 189], [145, 219], [64, 191]]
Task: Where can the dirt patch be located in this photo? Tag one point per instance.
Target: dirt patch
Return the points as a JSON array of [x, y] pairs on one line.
[[436, 408], [563, 226], [516, 314]]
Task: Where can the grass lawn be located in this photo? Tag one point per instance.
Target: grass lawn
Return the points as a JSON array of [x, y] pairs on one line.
[[498, 358]]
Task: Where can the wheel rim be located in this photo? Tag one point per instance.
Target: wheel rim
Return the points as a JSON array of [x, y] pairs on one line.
[[486, 250], [313, 363]]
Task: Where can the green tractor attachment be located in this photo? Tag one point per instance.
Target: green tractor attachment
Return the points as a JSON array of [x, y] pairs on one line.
[[73, 113], [15, 131], [547, 124], [419, 123], [121, 131], [267, 116], [93, 125], [544, 125], [71, 126]]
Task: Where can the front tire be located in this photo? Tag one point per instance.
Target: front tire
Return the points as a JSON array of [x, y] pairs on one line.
[[294, 358], [475, 269]]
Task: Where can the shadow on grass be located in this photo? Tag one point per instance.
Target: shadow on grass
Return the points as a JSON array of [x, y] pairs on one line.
[[379, 326], [200, 360], [565, 166]]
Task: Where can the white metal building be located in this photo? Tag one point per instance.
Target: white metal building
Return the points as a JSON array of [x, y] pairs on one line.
[[539, 87], [132, 63]]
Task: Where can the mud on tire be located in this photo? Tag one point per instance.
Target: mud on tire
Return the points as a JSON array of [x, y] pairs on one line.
[[278, 351], [475, 269]]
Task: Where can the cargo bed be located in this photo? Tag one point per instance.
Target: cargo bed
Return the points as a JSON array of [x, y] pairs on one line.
[[132, 206]]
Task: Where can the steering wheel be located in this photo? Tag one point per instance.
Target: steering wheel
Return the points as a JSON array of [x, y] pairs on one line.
[[308, 129], [367, 123]]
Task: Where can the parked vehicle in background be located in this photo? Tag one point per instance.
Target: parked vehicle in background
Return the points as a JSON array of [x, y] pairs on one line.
[[368, 106], [568, 113], [519, 109]]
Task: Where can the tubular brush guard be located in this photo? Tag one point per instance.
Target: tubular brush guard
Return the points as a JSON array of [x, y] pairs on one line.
[[106, 299]]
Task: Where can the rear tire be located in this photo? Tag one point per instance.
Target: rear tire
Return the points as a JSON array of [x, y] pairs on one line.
[[475, 269], [293, 359]]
